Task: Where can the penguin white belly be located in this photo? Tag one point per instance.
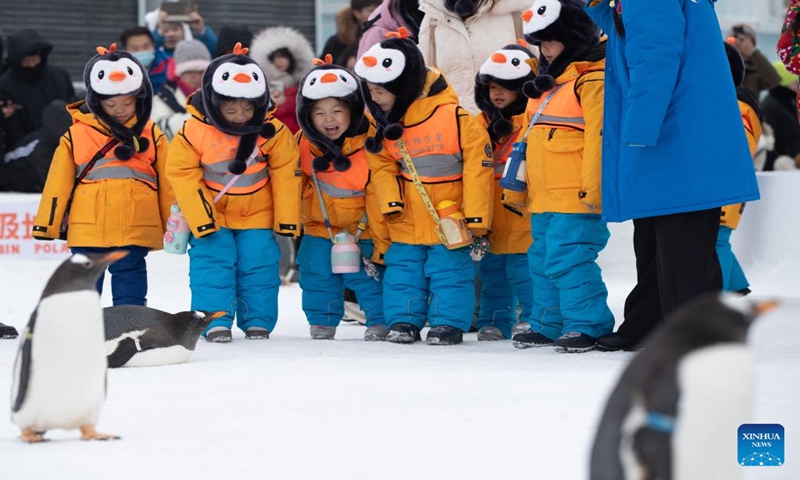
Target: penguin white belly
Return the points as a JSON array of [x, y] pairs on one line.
[[716, 396], [66, 385], [160, 356]]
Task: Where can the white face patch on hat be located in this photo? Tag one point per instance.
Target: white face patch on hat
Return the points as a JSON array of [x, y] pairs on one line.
[[380, 65], [506, 65], [239, 81], [328, 82], [116, 77], [543, 13]]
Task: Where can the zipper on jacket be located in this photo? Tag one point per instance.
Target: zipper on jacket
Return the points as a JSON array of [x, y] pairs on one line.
[[206, 206], [550, 135], [53, 205], [399, 180]]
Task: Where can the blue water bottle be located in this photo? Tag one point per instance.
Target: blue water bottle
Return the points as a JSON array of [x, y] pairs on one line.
[[515, 174]]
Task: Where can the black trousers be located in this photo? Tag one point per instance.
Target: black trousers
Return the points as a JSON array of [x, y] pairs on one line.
[[676, 260]]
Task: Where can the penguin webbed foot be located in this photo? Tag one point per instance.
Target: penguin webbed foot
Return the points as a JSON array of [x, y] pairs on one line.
[[30, 436], [89, 433], [653, 450]]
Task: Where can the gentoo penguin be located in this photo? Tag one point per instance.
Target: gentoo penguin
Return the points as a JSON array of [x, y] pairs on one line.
[[139, 336], [326, 80], [7, 331], [395, 64], [682, 396], [60, 370]]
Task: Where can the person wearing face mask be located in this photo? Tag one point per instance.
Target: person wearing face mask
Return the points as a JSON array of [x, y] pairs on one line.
[[29, 84], [140, 43]]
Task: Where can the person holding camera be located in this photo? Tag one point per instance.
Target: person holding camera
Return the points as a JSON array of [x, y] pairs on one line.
[[180, 21]]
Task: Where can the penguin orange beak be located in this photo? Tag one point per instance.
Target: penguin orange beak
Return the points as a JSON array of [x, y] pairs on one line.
[[527, 15], [242, 78], [369, 60], [117, 76], [328, 78], [766, 306], [499, 58], [216, 315], [112, 257]]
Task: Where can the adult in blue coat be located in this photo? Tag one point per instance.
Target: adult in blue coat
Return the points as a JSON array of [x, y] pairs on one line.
[[674, 150]]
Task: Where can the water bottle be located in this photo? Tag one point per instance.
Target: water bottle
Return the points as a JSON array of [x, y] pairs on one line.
[[452, 225], [515, 174], [345, 254], [176, 238]]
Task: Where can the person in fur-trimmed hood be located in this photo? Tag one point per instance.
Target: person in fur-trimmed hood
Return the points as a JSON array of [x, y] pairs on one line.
[[286, 56], [504, 270], [338, 197], [452, 156], [122, 199], [570, 307], [233, 168]]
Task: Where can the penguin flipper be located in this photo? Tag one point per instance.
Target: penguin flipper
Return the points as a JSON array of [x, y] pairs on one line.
[[125, 350], [653, 449], [22, 366]]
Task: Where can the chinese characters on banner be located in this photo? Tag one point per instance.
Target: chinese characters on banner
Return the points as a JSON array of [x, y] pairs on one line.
[[16, 220]]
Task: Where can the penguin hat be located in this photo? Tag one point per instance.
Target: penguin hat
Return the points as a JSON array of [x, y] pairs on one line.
[[395, 64], [112, 73], [562, 21], [509, 68], [60, 368], [235, 77], [691, 383], [326, 80]]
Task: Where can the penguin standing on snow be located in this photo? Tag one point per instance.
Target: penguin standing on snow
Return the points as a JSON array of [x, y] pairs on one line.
[[139, 336], [60, 369], [681, 397]]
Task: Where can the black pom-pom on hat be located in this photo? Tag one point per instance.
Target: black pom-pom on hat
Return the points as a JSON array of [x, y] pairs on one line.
[[502, 127], [321, 163], [268, 131], [530, 90], [544, 83], [341, 163], [462, 8], [123, 152], [393, 131], [374, 144]]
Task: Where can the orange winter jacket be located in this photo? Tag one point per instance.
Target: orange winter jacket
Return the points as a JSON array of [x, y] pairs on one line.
[[118, 202], [565, 144], [453, 156], [267, 195], [511, 227], [347, 196], [732, 214]]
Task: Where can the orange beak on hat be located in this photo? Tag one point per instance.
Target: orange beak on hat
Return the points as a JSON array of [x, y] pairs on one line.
[[242, 77], [117, 76], [328, 78]]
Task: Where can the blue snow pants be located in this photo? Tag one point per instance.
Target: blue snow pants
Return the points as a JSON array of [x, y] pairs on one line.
[[128, 275], [428, 282], [569, 292], [506, 280], [236, 271], [733, 278], [323, 302]]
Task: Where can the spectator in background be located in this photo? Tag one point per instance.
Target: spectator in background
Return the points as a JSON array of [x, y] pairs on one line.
[[286, 56], [388, 17], [457, 36], [759, 75], [140, 43], [169, 106], [229, 36], [171, 29], [779, 110], [349, 24], [29, 85], [24, 169]]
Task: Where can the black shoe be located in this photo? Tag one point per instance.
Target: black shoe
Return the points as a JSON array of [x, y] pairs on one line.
[[614, 342], [444, 335], [7, 331], [744, 292], [575, 342], [531, 339], [256, 333], [403, 333]]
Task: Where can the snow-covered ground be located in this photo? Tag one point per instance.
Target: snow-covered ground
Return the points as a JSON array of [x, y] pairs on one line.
[[295, 408]]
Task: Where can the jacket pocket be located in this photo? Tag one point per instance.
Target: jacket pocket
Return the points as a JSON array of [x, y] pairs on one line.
[[85, 204], [145, 206], [564, 157]]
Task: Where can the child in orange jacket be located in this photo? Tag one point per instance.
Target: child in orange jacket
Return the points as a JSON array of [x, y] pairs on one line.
[[122, 199], [231, 142]]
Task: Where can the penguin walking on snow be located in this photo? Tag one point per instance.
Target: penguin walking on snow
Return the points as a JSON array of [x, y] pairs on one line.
[[138, 336], [60, 369], [680, 398]]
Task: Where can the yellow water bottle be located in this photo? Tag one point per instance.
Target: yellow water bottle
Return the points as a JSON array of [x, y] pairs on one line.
[[452, 225]]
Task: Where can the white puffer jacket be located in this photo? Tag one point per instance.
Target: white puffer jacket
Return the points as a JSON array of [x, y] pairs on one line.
[[459, 47]]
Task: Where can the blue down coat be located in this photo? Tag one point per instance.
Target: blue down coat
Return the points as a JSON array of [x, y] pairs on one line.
[[672, 133]]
